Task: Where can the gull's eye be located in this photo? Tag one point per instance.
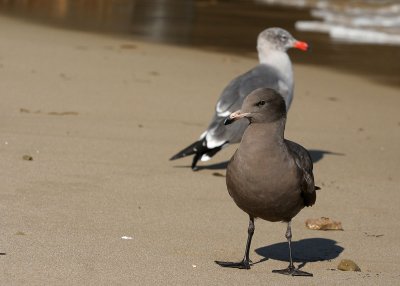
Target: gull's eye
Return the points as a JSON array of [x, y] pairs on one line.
[[261, 103], [283, 38]]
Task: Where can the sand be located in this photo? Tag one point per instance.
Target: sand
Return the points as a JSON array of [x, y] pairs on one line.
[[100, 116]]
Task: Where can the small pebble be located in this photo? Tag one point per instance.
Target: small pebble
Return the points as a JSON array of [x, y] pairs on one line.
[[216, 174], [27, 158], [348, 265]]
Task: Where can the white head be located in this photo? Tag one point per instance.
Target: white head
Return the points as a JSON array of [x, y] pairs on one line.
[[277, 39]]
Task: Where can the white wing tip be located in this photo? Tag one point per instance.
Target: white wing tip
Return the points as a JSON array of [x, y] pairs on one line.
[[205, 158]]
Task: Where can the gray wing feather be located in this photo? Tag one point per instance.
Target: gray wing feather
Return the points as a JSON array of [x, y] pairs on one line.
[[233, 95], [304, 163]]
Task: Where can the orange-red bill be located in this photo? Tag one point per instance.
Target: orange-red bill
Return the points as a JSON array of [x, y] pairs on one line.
[[301, 45]]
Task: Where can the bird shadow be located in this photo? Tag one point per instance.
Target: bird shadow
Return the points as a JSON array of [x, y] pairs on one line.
[[316, 155], [303, 251], [217, 166]]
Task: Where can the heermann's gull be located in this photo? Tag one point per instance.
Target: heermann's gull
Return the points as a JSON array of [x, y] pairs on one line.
[[273, 71], [268, 177]]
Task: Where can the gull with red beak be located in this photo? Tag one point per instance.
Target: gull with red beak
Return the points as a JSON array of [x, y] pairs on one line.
[[273, 71]]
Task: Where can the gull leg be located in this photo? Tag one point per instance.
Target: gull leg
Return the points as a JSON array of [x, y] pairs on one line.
[[196, 158], [291, 270], [245, 263]]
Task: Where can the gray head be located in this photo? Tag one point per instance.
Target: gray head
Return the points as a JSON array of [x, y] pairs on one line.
[[279, 40], [260, 106]]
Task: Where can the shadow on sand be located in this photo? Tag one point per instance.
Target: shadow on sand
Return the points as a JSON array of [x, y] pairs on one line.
[[316, 156], [304, 251]]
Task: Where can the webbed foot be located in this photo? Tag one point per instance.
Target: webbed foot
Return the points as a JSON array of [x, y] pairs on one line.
[[291, 270], [244, 264]]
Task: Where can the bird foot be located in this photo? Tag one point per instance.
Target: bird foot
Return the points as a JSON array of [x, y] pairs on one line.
[[244, 264], [291, 270]]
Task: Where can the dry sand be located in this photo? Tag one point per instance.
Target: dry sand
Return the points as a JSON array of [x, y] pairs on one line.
[[100, 117]]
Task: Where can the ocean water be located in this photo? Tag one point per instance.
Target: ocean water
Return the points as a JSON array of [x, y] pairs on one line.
[[355, 21], [356, 36]]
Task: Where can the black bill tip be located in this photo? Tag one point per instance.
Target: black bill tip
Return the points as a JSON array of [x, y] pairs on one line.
[[228, 121]]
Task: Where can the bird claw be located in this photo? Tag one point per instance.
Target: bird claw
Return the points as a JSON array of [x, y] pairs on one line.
[[244, 264], [291, 270]]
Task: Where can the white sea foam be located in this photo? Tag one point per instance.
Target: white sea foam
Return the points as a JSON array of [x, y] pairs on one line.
[[363, 36], [313, 26], [362, 21]]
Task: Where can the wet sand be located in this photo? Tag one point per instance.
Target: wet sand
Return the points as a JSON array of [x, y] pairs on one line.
[[223, 26], [100, 116]]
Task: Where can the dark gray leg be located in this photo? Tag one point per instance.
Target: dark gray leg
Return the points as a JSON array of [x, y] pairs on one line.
[[291, 270], [196, 158], [245, 263]]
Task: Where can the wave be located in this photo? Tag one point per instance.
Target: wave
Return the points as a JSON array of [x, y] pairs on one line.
[[362, 21]]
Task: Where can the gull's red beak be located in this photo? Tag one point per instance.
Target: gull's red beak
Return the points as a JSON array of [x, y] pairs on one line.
[[301, 45]]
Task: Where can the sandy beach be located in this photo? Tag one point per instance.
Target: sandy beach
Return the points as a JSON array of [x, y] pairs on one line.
[[100, 116]]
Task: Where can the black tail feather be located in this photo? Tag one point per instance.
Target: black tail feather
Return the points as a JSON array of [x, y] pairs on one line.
[[198, 148], [190, 150], [211, 152]]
